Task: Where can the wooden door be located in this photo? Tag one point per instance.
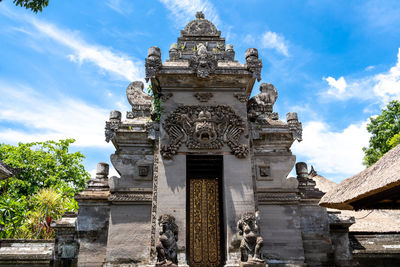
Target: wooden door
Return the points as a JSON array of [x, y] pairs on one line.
[[204, 238]]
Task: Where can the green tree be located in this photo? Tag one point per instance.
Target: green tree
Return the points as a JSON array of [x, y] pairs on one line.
[[34, 5], [43, 189], [385, 133], [43, 165]]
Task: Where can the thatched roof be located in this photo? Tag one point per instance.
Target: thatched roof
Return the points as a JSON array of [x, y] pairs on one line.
[[378, 221], [384, 175], [6, 171], [321, 182]]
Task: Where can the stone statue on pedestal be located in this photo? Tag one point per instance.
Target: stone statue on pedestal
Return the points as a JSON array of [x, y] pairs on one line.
[[252, 242], [167, 248]]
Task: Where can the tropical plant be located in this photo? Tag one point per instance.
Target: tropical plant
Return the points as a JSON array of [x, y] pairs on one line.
[[42, 191], [385, 133]]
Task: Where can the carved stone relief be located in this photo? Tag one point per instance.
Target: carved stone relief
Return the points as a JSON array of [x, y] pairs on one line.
[[252, 242], [135, 94], [203, 63], [167, 248], [242, 97], [203, 97], [112, 125], [153, 62], [253, 63], [204, 127], [295, 126], [200, 26], [260, 107]]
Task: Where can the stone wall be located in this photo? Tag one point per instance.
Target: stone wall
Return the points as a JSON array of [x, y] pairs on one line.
[[23, 252]]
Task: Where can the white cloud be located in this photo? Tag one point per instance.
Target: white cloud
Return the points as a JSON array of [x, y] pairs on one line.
[[103, 57], [82, 52], [273, 40], [336, 86], [381, 87], [119, 6], [43, 118], [333, 152], [387, 85], [183, 11]]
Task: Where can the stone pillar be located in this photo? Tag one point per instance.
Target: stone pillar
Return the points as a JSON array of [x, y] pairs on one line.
[[339, 230], [314, 221], [66, 245], [93, 217]]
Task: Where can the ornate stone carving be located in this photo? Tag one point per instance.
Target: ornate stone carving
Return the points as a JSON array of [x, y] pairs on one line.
[[229, 53], [153, 62], [167, 248], [140, 101], [260, 107], [173, 52], [130, 196], [154, 200], [242, 97], [204, 127], [253, 63], [200, 27], [203, 63], [295, 126], [252, 242], [112, 125], [135, 94], [271, 198], [203, 97]]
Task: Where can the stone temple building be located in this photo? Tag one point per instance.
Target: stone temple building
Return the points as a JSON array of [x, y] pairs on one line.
[[203, 172]]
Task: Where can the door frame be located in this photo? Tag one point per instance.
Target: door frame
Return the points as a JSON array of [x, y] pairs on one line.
[[222, 227]]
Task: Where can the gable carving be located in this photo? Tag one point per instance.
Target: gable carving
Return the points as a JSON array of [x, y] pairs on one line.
[[204, 127]]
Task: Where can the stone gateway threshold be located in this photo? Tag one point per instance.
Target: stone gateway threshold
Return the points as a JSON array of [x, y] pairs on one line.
[[203, 175]]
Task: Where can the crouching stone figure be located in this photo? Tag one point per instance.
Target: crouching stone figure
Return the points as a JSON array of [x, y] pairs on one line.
[[167, 247], [252, 242]]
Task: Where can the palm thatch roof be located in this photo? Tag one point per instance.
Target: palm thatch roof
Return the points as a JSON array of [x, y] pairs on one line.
[[359, 191], [6, 171], [377, 221]]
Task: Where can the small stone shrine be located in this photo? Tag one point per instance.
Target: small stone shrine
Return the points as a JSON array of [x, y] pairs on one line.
[[203, 171]]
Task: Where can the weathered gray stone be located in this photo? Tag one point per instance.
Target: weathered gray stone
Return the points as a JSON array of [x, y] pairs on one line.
[[205, 112]]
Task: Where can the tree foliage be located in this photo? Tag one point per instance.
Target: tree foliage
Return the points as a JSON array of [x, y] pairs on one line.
[[34, 5], [385, 133], [42, 191]]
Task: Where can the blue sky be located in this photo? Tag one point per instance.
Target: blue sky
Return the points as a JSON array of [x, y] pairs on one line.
[[336, 63]]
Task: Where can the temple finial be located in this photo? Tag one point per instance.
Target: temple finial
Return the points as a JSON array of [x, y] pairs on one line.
[[200, 15]]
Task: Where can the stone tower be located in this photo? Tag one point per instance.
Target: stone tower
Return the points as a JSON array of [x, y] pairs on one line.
[[203, 169]]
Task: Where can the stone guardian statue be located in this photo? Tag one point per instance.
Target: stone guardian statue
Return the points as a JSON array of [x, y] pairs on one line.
[[167, 248], [252, 242]]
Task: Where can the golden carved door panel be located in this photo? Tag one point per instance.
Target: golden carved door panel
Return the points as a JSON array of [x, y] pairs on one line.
[[205, 244]]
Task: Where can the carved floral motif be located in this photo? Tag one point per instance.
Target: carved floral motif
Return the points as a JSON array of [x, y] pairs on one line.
[[204, 127]]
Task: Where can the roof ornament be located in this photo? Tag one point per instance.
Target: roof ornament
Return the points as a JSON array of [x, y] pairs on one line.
[[200, 15]]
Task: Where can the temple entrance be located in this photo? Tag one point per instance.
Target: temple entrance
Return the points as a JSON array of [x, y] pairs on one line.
[[205, 232]]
